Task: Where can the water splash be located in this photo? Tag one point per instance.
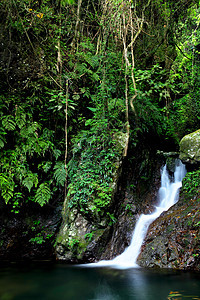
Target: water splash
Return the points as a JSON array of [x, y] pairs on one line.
[[168, 195]]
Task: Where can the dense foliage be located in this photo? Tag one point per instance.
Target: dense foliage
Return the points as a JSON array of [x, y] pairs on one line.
[[191, 185], [73, 73], [96, 157]]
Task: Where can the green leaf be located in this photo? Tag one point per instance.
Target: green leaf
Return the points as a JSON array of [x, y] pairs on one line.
[[1, 142], [30, 130], [66, 2], [30, 180], [60, 173], [20, 117], [7, 195], [8, 122], [46, 166], [93, 109], [7, 187], [56, 153], [43, 194], [88, 122]]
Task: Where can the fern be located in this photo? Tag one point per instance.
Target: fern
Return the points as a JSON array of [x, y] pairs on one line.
[[8, 122], [1, 142], [45, 166], [30, 180], [56, 153], [60, 173], [2, 137], [43, 194], [7, 187], [20, 117], [30, 130]]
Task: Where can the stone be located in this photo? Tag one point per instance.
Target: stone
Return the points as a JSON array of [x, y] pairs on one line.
[[190, 148], [82, 235], [171, 163], [173, 240]]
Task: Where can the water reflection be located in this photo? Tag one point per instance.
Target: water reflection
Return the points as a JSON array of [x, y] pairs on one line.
[[140, 284], [55, 281], [128, 284], [104, 292]]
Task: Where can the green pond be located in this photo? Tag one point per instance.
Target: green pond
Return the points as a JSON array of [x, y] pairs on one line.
[[46, 281]]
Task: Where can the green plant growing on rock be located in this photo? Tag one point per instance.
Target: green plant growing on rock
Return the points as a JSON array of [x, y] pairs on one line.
[[91, 170], [191, 185], [41, 235], [112, 218], [38, 239], [89, 236]]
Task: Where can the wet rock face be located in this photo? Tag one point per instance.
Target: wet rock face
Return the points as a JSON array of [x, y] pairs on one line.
[[190, 148], [78, 240], [121, 234], [173, 240], [83, 239]]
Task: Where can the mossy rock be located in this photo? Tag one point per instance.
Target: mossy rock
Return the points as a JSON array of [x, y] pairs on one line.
[[86, 225], [190, 148], [171, 164]]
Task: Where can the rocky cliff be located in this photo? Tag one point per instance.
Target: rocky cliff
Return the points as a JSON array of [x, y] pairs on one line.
[[105, 233], [86, 226]]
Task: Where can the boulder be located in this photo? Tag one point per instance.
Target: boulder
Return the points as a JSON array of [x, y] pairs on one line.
[[190, 148], [173, 240]]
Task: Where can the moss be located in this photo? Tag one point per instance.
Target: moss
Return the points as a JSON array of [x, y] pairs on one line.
[[59, 239], [121, 141], [170, 228], [190, 147]]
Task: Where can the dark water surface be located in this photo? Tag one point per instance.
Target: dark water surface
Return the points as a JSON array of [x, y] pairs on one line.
[[46, 281]]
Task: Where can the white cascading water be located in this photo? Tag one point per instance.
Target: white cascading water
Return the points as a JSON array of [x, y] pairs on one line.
[[168, 195]]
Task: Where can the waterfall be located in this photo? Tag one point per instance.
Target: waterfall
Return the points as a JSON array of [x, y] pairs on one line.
[[167, 196]]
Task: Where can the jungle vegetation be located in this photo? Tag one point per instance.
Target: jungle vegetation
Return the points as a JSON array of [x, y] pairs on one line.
[[73, 73]]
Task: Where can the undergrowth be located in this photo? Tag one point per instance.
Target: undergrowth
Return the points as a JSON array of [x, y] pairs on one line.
[[92, 169]]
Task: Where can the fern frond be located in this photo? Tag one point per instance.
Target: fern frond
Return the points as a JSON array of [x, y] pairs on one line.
[[20, 117], [1, 142], [60, 173], [7, 187], [8, 122], [46, 166], [30, 130], [7, 195], [30, 180], [43, 194], [56, 153]]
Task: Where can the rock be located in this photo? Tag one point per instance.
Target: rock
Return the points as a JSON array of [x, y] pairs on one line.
[[171, 163], [155, 254], [173, 240], [84, 232], [167, 154], [92, 237], [190, 148]]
